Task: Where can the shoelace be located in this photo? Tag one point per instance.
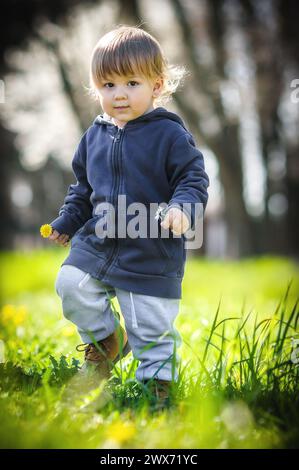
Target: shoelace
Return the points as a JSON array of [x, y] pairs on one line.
[[95, 349], [92, 352], [87, 346]]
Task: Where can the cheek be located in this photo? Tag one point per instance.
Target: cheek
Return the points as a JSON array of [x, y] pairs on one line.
[[140, 97], [106, 100]]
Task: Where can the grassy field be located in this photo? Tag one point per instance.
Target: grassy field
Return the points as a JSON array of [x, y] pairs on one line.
[[239, 372]]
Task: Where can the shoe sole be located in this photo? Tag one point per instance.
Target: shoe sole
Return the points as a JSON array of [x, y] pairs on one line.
[[123, 354]]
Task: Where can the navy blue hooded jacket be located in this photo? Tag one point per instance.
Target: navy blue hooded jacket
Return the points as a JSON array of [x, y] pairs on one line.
[[152, 159]]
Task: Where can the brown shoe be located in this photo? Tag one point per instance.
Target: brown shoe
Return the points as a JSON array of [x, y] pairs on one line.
[[161, 391], [101, 356]]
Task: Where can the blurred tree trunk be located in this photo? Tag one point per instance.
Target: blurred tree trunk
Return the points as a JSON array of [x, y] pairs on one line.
[[268, 56], [9, 163], [129, 12], [16, 26], [288, 14], [273, 32], [225, 145], [52, 46]]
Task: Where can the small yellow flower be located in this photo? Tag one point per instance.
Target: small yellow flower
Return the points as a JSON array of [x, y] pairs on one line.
[[121, 432], [68, 330], [46, 230], [12, 314], [7, 313], [20, 315]]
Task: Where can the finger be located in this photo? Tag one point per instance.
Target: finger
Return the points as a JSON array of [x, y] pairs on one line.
[[168, 219], [54, 235], [176, 230], [177, 223], [186, 225], [166, 222], [181, 221], [63, 238]]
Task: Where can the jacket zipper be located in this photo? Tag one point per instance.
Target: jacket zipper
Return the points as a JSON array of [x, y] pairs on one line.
[[115, 167]]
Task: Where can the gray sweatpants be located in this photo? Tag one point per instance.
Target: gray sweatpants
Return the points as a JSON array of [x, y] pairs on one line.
[[148, 320]]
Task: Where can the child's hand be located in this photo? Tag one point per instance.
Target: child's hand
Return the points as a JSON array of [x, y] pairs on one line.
[[176, 220], [60, 239]]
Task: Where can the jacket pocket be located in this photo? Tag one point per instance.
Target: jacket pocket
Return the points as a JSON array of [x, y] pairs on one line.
[[142, 255], [87, 236], [152, 256], [173, 248], [162, 248]]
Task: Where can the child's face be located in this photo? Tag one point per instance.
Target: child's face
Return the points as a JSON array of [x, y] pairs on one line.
[[126, 98]]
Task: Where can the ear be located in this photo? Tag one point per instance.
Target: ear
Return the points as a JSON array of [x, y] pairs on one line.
[[158, 86]]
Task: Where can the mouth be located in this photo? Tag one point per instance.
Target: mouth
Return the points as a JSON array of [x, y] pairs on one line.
[[121, 107]]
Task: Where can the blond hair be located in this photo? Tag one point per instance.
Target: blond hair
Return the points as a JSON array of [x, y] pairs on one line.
[[128, 50]]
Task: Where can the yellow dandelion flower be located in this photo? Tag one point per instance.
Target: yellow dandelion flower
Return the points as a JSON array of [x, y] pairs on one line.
[[45, 230], [13, 314], [20, 315], [7, 313], [121, 432], [68, 330]]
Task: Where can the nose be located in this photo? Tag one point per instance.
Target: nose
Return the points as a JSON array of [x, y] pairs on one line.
[[119, 93]]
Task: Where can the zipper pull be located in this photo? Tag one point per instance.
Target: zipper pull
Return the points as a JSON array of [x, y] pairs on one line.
[[117, 137]]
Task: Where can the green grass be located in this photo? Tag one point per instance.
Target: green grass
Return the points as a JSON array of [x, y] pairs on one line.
[[238, 385]]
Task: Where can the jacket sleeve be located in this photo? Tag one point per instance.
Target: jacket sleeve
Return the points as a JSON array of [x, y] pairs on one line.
[[187, 177], [77, 208]]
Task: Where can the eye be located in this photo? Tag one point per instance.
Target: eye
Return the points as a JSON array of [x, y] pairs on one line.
[[109, 83], [133, 82]]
